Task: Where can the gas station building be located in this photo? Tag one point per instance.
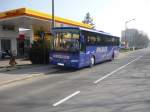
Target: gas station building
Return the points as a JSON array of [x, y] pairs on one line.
[[19, 27]]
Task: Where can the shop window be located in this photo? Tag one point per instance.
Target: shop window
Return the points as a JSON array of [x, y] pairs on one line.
[[8, 27], [5, 44]]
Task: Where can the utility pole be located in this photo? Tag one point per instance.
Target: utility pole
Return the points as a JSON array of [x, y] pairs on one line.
[[53, 23], [53, 14]]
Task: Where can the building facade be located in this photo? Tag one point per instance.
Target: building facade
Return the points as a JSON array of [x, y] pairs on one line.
[[129, 37]]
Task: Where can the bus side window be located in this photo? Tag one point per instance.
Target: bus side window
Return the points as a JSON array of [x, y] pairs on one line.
[[98, 40], [91, 40], [116, 41], [82, 43], [103, 41], [108, 41], [88, 40]]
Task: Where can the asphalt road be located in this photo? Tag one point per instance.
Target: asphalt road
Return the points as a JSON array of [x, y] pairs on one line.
[[122, 85]]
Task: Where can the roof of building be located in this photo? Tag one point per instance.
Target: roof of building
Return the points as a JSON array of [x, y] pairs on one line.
[[41, 15]]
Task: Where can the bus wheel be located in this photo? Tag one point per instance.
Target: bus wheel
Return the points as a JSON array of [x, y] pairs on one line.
[[92, 61]]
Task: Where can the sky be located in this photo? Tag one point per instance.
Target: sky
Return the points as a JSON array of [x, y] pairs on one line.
[[109, 15]]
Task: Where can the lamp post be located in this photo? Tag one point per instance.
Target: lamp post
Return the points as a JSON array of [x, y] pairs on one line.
[[126, 22], [53, 14], [53, 24]]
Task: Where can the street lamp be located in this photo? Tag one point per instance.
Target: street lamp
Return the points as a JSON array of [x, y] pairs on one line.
[[126, 22], [53, 24], [53, 18]]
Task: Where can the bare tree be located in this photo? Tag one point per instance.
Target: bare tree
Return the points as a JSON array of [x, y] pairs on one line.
[[136, 38]]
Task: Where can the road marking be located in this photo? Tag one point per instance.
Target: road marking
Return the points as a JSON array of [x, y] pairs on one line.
[[65, 99], [104, 77]]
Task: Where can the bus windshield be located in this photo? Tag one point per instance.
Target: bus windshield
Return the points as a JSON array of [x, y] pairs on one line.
[[66, 41]]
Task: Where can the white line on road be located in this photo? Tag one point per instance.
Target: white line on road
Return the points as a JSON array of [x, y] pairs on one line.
[[65, 99], [104, 77]]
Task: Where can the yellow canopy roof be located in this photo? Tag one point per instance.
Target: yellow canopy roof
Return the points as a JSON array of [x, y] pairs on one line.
[[37, 14]]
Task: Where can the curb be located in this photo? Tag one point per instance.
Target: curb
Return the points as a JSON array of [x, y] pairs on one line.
[[21, 79], [9, 68]]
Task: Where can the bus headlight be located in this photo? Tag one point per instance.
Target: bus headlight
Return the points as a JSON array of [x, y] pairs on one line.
[[50, 58]]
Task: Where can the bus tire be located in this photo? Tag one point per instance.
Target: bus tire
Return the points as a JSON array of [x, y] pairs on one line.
[[92, 61]]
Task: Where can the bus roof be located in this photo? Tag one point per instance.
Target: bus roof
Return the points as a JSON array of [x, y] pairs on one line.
[[85, 29]]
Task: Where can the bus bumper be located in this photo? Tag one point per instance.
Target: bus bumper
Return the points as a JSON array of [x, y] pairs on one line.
[[69, 63]]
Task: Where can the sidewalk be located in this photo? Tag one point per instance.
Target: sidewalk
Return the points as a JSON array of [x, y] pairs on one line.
[[23, 74], [22, 61], [23, 70], [123, 54]]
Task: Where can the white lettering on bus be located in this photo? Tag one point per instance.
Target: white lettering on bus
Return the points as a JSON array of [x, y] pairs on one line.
[[61, 56], [101, 49]]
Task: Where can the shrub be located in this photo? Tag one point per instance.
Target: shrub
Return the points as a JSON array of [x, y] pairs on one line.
[[39, 52]]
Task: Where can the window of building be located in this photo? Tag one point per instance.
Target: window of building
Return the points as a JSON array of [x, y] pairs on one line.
[[8, 27], [5, 44]]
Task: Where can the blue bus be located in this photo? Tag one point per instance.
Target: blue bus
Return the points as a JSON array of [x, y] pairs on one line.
[[77, 47]]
